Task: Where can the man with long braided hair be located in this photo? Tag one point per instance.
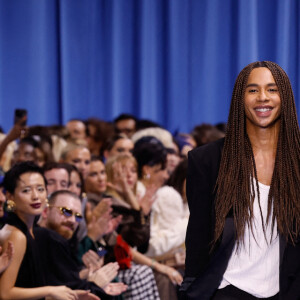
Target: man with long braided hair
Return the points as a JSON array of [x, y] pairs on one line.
[[243, 236]]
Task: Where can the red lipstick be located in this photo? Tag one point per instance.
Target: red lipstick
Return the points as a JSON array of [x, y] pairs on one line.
[[36, 205]]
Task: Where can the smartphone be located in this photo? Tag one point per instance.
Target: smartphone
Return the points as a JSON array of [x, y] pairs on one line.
[[20, 114], [101, 251]]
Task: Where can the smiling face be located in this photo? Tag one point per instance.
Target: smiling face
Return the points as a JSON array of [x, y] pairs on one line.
[[262, 100], [29, 195], [57, 221]]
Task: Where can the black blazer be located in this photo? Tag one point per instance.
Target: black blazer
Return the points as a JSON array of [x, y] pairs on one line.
[[205, 269]]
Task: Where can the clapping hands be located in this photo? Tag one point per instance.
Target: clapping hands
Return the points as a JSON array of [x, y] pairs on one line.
[[6, 256]]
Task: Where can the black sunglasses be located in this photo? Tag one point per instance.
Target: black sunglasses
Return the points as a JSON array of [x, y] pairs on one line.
[[69, 212]]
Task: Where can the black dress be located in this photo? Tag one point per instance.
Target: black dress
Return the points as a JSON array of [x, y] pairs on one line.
[[30, 274], [49, 261]]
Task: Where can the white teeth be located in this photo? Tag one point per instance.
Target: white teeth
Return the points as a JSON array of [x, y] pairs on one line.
[[262, 109]]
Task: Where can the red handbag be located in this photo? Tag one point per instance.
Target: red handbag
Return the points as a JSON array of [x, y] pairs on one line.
[[122, 253]]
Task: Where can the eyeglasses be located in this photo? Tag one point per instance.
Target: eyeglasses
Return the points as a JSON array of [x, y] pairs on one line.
[[67, 212]]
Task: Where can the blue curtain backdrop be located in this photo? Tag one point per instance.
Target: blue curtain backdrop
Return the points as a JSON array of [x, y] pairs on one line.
[[173, 61]]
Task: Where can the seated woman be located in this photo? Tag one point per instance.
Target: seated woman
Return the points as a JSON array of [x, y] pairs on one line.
[[24, 278], [138, 276], [122, 181], [169, 219], [167, 225]]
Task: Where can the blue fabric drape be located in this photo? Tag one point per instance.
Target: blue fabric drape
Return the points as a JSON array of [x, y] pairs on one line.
[[173, 61]]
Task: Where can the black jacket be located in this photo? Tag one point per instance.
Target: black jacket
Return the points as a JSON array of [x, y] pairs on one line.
[[60, 263], [205, 269]]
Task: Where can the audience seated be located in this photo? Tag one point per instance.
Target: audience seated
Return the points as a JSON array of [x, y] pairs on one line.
[[151, 156], [138, 274], [62, 216], [26, 191], [168, 222], [122, 181], [140, 197]]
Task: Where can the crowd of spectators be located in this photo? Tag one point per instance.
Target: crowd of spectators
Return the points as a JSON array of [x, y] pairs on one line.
[[94, 209]]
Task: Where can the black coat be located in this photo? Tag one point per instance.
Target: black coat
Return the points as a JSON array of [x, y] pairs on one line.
[[205, 269], [60, 263]]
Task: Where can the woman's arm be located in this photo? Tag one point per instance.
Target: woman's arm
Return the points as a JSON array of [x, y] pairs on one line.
[[173, 275], [6, 257], [13, 134]]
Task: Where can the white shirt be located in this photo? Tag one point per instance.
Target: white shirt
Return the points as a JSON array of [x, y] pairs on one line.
[[254, 268], [168, 221]]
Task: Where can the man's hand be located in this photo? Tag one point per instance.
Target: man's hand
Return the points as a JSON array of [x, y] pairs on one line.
[[92, 260], [86, 295], [115, 288], [103, 276], [100, 209], [99, 226]]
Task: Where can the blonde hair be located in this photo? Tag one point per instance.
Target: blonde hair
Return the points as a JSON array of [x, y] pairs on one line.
[[70, 147], [122, 159]]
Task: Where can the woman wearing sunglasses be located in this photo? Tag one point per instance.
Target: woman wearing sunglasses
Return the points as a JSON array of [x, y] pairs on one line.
[[24, 278]]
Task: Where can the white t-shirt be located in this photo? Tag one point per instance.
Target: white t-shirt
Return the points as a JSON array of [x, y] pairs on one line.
[[254, 268]]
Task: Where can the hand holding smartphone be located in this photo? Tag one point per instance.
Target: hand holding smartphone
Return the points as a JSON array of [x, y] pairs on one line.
[[20, 122], [19, 115]]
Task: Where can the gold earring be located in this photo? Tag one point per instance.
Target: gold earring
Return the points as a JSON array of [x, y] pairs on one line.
[[10, 205], [147, 176], [47, 202]]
